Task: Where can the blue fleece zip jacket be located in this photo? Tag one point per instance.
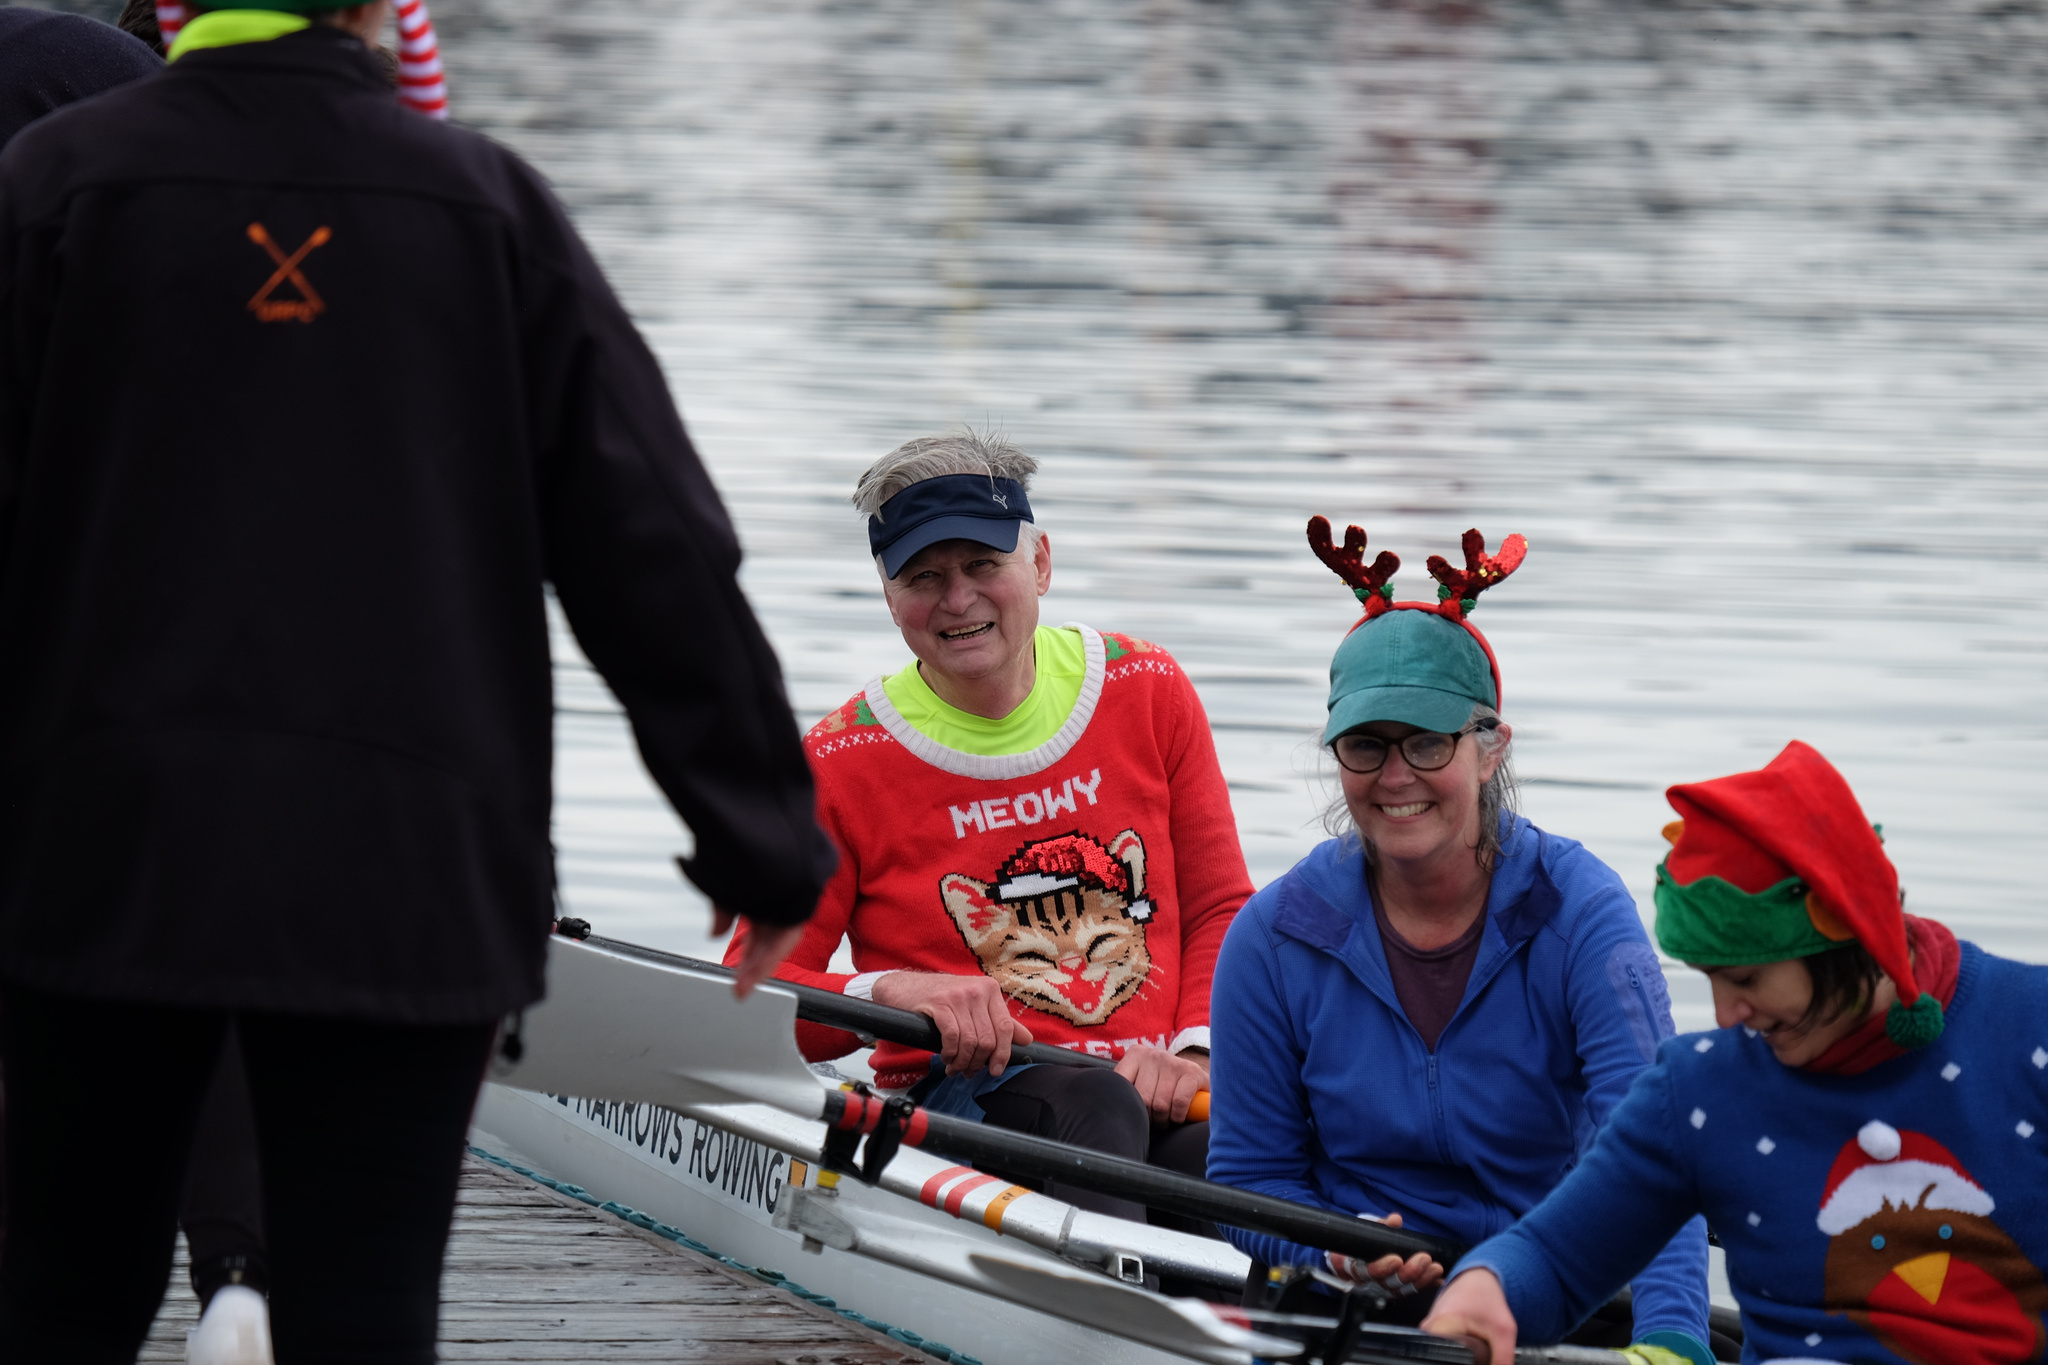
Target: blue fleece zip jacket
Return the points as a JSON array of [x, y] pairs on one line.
[[1326, 1095], [1898, 1214]]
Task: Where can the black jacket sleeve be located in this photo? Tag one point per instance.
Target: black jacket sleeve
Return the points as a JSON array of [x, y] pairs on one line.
[[644, 561]]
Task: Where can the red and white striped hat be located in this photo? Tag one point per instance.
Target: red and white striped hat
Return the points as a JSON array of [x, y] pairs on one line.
[[170, 17], [422, 85]]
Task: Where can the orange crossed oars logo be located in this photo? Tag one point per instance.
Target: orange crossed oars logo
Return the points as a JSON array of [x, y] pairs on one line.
[[309, 304]]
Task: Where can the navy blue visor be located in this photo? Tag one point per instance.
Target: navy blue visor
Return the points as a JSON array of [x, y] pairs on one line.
[[951, 507]]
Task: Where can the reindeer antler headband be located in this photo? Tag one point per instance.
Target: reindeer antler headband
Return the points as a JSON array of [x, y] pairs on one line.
[[1457, 589]]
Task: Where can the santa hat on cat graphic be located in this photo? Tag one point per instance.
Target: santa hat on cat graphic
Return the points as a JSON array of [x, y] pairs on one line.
[[1886, 1169], [421, 84], [1064, 863]]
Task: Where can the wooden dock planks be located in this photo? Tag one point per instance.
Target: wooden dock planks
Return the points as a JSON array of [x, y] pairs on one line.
[[533, 1275]]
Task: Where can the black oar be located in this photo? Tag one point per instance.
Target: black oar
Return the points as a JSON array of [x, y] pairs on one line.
[[864, 1018], [890, 1123], [869, 1021]]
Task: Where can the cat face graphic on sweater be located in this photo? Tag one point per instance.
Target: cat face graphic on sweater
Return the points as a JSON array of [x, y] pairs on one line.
[[1062, 928]]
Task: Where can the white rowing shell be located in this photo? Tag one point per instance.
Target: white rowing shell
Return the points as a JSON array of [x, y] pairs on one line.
[[662, 1092]]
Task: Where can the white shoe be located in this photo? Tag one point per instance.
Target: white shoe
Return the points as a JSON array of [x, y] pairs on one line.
[[235, 1330]]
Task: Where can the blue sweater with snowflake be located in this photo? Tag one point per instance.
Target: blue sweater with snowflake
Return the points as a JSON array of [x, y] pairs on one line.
[[1895, 1215]]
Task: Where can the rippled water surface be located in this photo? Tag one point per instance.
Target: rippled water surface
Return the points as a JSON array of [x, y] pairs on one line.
[[1738, 311]]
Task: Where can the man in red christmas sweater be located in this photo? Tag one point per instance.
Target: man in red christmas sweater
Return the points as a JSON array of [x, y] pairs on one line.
[[1036, 841]]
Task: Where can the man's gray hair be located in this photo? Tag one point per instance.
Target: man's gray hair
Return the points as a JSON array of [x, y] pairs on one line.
[[1497, 797], [931, 457]]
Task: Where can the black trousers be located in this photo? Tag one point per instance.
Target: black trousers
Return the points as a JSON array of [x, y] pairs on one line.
[[1096, 1108], [360, 1128]]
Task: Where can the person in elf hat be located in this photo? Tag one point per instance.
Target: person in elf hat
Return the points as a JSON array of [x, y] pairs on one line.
[[1428, 1018], [1866, 1132], [1037, 842]]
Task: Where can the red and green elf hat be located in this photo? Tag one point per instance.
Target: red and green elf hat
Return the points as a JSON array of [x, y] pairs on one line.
[[1779, 864]]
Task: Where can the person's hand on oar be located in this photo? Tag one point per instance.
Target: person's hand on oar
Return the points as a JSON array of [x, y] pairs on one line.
[[972, 1014], [1167, 1082], [1413, 1276], [766, 946], [1475, 1305]]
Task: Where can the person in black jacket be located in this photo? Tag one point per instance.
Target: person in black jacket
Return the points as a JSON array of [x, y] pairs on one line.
[[304, 399], [50, 60], [138, 17]]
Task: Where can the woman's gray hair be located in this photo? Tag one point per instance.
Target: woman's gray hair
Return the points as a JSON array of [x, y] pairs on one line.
[[932, 457], [1499, 795]]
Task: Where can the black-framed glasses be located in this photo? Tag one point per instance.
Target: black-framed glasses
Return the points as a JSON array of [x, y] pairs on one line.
[[1425, 750]]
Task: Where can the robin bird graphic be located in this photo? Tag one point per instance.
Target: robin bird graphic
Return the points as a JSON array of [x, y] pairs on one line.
[[1915, 1258]]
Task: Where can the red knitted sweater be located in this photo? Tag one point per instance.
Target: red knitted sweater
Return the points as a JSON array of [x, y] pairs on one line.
[[1093, 877]]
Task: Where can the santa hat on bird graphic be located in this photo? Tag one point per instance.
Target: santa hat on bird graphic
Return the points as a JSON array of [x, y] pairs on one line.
[[1885, 1169]]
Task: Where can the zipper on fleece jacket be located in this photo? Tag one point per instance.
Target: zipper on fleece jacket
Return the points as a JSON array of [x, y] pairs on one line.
[[1436, 1109]]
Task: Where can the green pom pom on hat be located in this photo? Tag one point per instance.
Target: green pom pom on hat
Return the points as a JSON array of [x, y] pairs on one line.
[[1914, 1025]]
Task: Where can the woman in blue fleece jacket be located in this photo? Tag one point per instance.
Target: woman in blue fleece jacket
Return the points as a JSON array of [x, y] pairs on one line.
[[1431, 1016], [1865, 1130]]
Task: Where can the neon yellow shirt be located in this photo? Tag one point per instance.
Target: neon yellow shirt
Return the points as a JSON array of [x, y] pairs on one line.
[[230, 27], [1062, 665]]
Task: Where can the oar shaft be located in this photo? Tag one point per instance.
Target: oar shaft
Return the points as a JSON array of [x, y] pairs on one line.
[[863, 1017], [1041, 1159], [871, 1020]]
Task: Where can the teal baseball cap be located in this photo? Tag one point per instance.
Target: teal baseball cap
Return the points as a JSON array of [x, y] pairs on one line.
[[1414, 667]]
